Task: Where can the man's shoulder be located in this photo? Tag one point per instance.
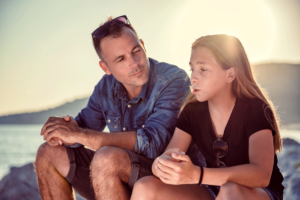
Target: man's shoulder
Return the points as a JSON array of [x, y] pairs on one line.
[[165, 70], [106, 84]]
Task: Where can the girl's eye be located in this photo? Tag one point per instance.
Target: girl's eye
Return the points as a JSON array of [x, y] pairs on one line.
[[120, 59], [203, 69]]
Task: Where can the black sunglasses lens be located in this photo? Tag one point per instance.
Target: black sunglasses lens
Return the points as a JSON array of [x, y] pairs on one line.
[[219, 164], [102, 31], [220, 148]]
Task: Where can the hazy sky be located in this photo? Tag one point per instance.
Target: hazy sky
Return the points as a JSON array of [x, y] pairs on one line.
[[47, 57]]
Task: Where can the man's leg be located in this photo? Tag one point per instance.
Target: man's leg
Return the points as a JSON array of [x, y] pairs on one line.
[[111, 169], [52, 166]]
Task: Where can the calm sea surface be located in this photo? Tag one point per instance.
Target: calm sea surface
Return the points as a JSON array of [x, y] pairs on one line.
[[19, 143]]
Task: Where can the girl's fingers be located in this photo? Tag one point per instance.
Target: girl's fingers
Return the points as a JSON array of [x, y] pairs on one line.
[[165, 168], [163, 174], [168, 163], [181, 157], [166, 181]]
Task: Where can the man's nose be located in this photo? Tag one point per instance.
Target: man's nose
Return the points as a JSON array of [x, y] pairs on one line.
[[133, 62]]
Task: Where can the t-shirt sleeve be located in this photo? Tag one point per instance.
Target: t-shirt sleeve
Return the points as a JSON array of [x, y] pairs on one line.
[[184, 120], [259, 118]]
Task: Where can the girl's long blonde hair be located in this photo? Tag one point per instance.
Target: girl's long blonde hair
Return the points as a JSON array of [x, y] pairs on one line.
[[229, 52]]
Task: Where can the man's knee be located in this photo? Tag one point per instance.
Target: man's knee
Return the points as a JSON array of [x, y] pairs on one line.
[[43, 153], [56, 157], [110, 159]]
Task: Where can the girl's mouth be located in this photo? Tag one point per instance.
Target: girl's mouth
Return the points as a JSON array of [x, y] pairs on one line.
[[195, 91]]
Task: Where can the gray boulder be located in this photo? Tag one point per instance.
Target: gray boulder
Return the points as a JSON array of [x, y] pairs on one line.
[[289, 165], [21, 184], [293, 190]]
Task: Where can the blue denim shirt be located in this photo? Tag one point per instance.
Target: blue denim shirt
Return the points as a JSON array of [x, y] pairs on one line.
[[153, 113]]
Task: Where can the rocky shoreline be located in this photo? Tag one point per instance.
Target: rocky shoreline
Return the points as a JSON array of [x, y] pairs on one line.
[[21, 183]]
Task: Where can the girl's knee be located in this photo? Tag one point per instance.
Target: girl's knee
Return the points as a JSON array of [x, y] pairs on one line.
[[145, 188], [230, 191]]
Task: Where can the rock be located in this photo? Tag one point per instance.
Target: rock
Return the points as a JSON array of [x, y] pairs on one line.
[[289, 165], [293, 188], [289, 142], [21, 184]]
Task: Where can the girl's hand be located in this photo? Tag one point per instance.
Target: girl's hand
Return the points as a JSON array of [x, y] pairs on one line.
[[166, 156], [174, 173]]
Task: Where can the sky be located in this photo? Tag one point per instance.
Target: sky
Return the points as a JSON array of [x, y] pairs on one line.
[[47, 57]]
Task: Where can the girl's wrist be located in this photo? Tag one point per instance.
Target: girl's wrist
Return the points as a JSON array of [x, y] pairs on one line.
[[197, 175]]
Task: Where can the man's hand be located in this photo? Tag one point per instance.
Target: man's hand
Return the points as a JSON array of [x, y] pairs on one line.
[[60, 130]]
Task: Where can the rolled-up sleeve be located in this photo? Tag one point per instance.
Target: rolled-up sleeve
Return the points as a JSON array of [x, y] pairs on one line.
[[155, 136], [91, 117]]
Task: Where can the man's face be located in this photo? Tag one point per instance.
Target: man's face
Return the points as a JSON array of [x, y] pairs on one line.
[[125, 58]]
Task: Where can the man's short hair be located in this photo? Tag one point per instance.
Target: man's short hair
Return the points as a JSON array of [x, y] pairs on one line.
[[115, 30]]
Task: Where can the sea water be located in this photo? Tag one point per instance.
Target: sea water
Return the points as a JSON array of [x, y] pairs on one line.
[[19, 143]]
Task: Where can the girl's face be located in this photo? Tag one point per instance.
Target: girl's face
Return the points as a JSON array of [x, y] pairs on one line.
[[208, 79]]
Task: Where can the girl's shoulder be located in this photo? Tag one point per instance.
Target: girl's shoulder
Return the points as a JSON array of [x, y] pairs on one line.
[[252, 104]]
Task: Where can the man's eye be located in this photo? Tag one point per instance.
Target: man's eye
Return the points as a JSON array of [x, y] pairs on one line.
[[203, 69], [136, 51], [120, 59]]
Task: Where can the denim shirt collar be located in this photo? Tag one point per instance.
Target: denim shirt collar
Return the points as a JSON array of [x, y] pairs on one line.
[[121, 93]]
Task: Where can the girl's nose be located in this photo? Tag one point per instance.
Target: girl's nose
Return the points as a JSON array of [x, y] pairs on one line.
[[194, 79]]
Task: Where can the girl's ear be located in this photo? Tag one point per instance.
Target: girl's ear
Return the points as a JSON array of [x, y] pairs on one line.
[[231, 75]]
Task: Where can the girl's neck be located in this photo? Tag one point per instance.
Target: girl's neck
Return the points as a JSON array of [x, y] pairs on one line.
[[222, 104]]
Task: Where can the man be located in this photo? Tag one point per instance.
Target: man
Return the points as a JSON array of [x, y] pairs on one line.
[[138, 99]]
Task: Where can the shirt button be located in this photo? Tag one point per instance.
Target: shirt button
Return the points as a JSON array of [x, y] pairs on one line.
[[129, 106], [143, 126], [124, 129], [108, 121]]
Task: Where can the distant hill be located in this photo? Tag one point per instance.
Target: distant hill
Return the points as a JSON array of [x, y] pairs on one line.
[[282, 81], [70, 108]]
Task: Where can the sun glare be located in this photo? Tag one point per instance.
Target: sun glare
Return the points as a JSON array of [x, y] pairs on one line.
[[250, 21]]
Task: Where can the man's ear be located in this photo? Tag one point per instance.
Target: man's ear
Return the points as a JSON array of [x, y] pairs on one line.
[[104, 67], [231, 75], [142, 42]]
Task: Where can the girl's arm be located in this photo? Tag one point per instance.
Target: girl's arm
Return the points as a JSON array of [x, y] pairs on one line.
[[254, 175], [179, 142]]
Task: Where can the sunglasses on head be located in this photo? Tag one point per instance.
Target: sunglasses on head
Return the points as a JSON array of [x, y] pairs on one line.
[[103, 30], [220, 150]]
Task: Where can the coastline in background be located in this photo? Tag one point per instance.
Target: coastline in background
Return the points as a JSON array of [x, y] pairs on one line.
[[19, 143]]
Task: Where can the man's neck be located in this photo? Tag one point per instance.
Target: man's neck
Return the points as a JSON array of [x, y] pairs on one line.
[[133, 91]]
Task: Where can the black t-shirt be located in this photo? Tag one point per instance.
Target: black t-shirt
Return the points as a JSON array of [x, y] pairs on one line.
[[248, 116]]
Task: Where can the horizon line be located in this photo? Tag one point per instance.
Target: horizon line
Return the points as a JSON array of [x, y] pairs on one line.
[[82, 96]]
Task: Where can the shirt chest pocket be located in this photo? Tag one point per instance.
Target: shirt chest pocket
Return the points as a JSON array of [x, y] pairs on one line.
[[140, 122], [113, 121]]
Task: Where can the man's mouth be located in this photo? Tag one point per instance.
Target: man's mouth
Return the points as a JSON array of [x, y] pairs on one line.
[[137, 73]]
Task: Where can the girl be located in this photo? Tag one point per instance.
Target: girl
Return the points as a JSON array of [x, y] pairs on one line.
[[233, 124]]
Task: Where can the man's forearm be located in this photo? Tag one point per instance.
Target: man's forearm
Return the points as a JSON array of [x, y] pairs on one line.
[[96, 139]]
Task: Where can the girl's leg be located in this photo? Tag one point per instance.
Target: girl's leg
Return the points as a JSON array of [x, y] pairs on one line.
[[151, 187], [235, 191]]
